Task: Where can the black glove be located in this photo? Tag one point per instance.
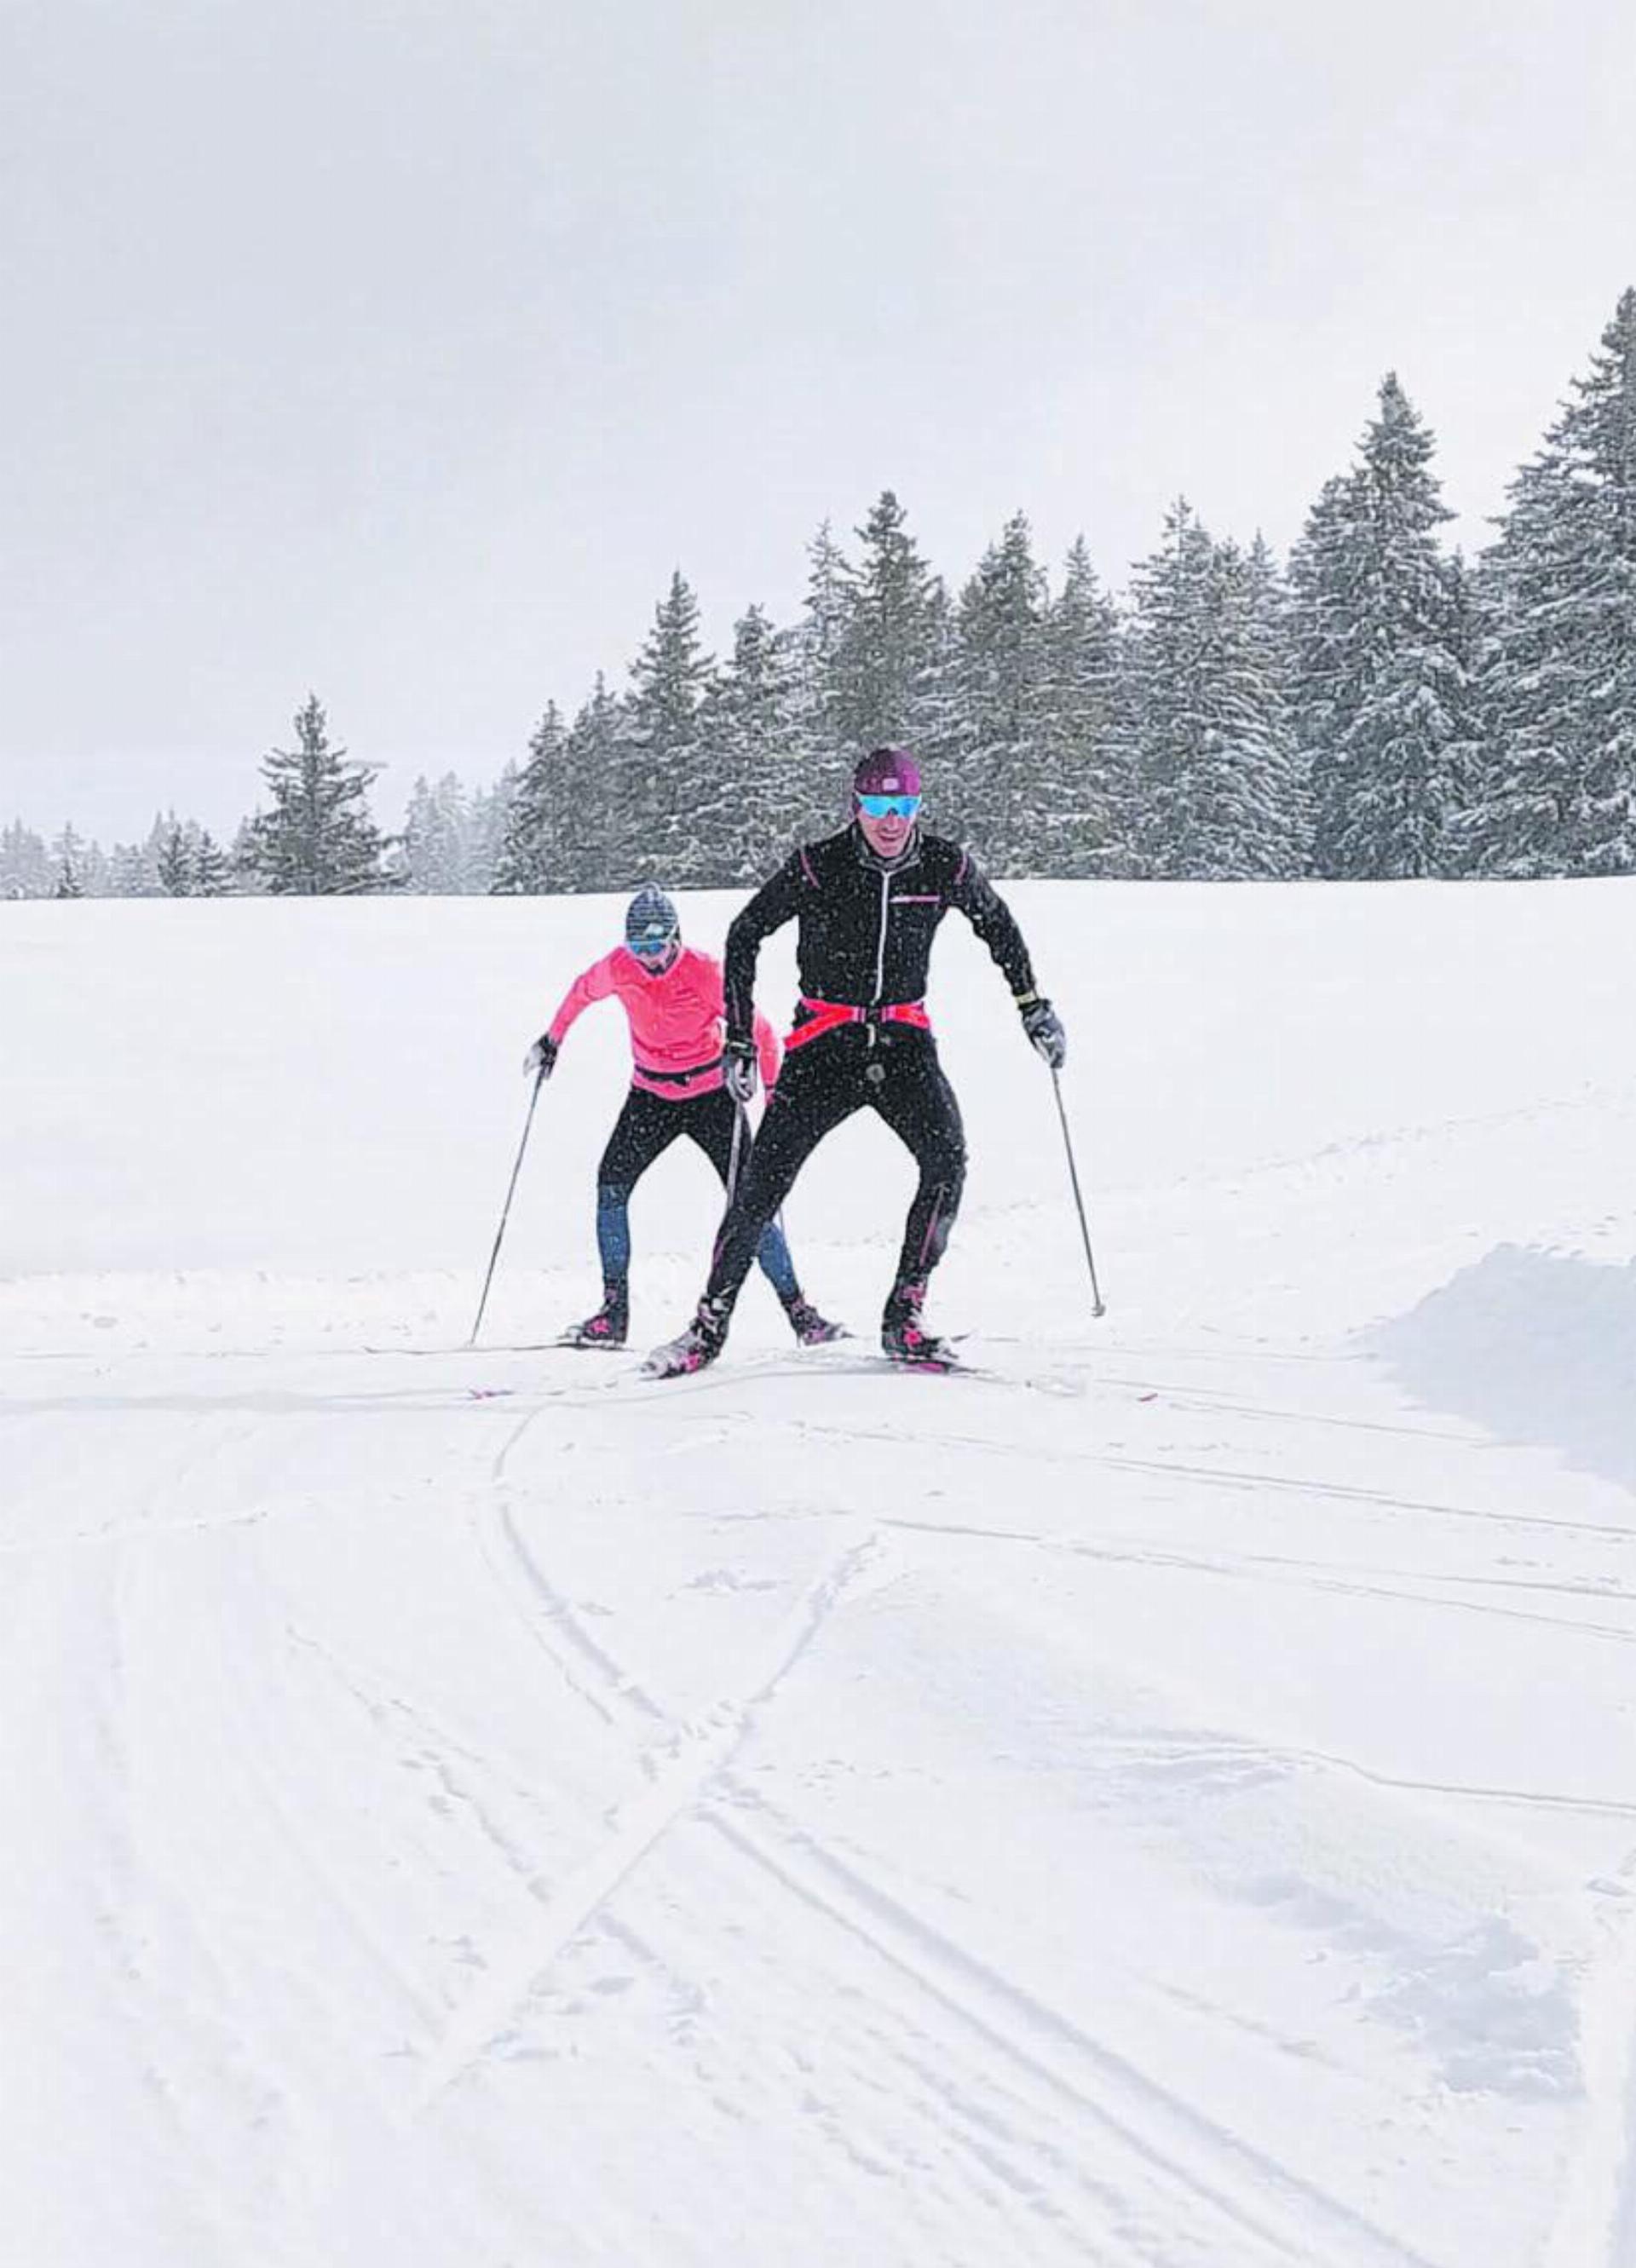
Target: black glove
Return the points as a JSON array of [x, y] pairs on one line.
[[541, 1060], [1044, 1027], [738, 1068]]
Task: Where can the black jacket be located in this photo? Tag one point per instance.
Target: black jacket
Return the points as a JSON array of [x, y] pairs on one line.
[[866, 928]]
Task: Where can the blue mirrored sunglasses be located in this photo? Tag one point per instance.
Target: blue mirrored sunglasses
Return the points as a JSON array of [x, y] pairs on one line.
[[885, 807], [652, 943]]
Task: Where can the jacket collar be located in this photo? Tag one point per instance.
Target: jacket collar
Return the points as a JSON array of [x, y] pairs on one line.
[[906, 858]]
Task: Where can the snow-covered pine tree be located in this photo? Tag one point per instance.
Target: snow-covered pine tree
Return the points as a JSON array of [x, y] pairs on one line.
[[487, 821], [1270, 826], [1468, 640], [1164, 694], [72, 860], [1083, 812], [319, 839], [991, 796], [1557, 793], [1385, 772], [534, 859], [248, 880], [25, 867], [132, 869], [821, 757], [212, 868], [436, 838], [1325, 645], [934, 728], [176, 862], [742, 819], [1211, 750], [895, 645], [591, 837], [652, 833]]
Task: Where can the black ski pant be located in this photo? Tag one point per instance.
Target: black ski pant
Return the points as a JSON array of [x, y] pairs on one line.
[[893, 1071], [642, 1131]]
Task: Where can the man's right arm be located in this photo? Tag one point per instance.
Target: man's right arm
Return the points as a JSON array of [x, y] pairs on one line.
[[776, 902]]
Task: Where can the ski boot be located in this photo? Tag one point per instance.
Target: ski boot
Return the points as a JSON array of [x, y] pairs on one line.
[[699, 1344], [903, 1339], [810, 1327], [608, 1327]]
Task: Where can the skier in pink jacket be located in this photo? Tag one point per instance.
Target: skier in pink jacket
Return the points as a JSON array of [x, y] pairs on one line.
[[672, 997]]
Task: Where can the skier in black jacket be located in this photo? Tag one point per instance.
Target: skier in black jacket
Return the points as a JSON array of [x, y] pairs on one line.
[[868, 901]]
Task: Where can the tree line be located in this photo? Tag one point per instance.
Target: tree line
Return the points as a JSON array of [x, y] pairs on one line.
[[1373, 707]]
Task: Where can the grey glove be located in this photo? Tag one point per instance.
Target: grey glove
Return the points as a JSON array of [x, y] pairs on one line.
[[738, 1068], [541, 1058], [1044, 1027]]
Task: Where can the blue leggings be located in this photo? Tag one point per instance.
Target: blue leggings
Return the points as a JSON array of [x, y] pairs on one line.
[[644, 1130]]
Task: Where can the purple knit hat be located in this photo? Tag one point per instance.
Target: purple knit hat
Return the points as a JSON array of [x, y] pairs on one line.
[[887, 771]]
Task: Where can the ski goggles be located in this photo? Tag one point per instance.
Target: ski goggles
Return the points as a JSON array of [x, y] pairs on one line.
[[652, 943], [888, 807]]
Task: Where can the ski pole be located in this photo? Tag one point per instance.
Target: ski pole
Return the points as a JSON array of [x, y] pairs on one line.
[[1097, 1308], [506, 1210], [741, 1135], [739, 1122]]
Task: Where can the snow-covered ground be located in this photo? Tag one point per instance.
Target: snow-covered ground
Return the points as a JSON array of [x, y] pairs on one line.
[[1168, 1803]]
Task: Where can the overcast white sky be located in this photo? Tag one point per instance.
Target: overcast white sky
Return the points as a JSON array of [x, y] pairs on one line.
[[400, 351]]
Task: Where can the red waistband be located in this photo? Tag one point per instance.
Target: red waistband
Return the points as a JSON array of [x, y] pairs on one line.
[[828, 1016]]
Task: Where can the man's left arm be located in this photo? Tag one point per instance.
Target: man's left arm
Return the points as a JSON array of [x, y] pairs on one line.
[[972, 893]]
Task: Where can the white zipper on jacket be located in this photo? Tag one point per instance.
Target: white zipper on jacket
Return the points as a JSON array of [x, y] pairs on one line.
[[886, 900]]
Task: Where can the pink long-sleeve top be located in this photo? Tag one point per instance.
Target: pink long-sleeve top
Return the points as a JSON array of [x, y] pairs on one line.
[[675, 1020]]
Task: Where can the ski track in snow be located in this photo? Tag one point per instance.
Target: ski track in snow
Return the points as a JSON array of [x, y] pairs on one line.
[[699, 1752], [1163, 2135]]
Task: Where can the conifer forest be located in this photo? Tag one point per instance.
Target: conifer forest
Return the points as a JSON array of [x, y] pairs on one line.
[[1373, 706]]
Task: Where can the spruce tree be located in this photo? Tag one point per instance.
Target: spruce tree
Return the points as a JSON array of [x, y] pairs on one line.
[[1557, 793], [744, 811], [1326, 643], [319, 839], [1209, 744], [67, 850], [248, 880], [70, 852], [999, 676], [1390, 701], [176, 863], [1164, 694], [821, 757], [653, 828], [437, 838], [891, 670], [133, 868], [25, 867], [487, 821], [212, 869], [533, 856], [1084, 801], [592, 857], [1268, 827]]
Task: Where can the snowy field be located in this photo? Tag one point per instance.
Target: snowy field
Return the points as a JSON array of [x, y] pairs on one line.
[[1168, 1803]]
